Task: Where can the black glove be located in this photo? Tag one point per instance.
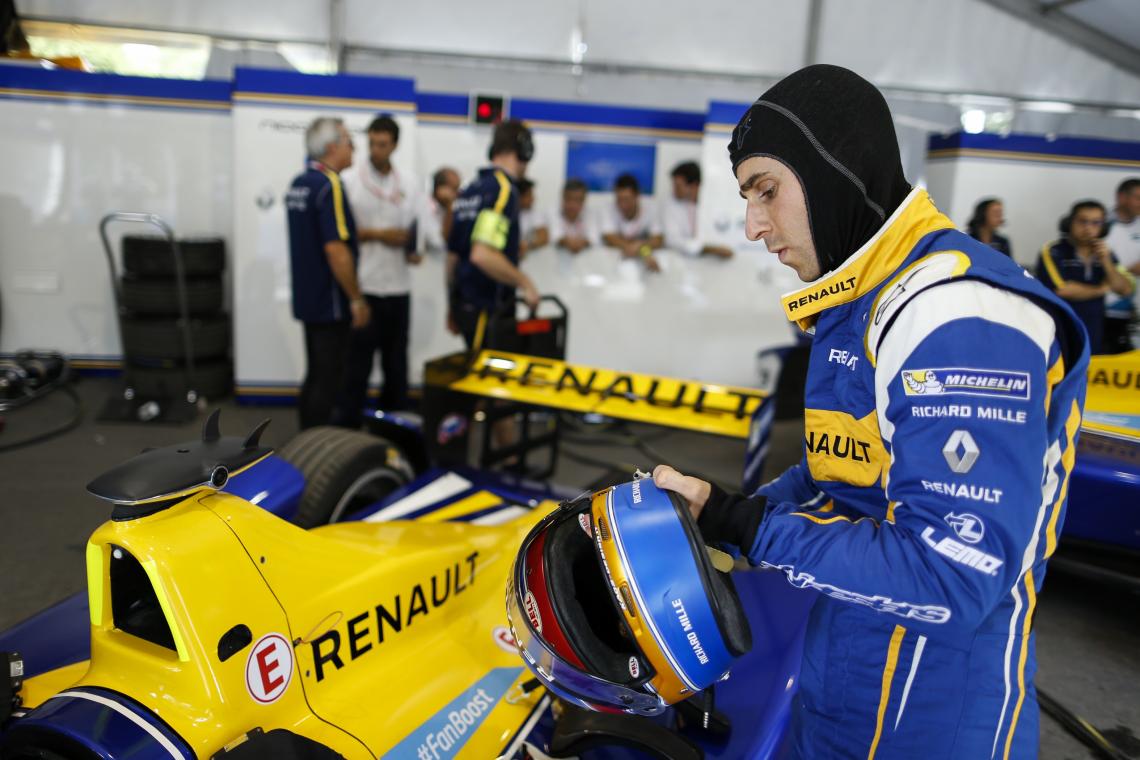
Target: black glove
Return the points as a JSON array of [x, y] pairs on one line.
[[731, 519]]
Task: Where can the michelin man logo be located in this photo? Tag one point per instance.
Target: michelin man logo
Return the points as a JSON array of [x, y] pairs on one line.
[[921, 382]]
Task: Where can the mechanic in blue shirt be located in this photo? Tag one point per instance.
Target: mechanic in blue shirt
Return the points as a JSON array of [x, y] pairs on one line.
[[483, 260], [1081, 268], [322, 254], [943, 397]]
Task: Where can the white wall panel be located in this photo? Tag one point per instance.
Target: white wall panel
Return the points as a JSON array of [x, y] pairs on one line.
[[68, 164]]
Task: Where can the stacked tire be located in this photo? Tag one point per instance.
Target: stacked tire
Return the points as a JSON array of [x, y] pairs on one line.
[[152, 322]]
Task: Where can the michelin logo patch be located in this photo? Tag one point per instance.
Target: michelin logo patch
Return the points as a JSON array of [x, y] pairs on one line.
[[947, 381]]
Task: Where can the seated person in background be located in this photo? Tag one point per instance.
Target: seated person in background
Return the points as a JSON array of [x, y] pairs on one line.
[[434, 223], [1124, 240], [988, 216], [679, 215], [631, 227], [573, 229], [1081, 269], [534, 227]]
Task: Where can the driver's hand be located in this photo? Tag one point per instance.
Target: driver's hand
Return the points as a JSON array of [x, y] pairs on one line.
[[694, 490]]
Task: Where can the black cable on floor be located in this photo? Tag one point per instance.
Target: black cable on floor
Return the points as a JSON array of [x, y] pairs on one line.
[[1080, 728], [71, 423]]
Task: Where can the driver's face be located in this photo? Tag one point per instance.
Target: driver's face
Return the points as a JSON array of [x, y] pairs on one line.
[[777, 214]]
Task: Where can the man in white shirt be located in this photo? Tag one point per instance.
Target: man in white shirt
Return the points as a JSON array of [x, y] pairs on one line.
[[434, 221], [572, 228], [631, 226], [679, 215], [1124, 230], [534, 226], [384, 202], [1123, 240]]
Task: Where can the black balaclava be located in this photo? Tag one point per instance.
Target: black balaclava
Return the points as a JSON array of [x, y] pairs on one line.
[[834, 130]]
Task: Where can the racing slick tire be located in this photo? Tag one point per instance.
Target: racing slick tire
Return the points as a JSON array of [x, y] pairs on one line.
[[150, 256], [204, 295], [344, 470], [151, 338]]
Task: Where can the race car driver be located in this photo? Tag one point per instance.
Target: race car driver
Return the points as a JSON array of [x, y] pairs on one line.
[[483, 258], [944, 393]]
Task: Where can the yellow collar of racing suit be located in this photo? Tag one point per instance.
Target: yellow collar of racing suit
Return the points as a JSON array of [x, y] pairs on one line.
[[873, 263]]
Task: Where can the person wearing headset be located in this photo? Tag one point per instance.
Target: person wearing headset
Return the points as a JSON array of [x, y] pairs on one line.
[[1081, 269], [944, 392], [483, 261], [983, 225]]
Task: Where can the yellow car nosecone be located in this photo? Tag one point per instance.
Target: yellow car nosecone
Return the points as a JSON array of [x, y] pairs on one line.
[[214, 624]]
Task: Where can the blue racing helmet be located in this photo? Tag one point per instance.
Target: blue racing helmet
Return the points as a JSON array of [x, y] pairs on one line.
[[615, 605]]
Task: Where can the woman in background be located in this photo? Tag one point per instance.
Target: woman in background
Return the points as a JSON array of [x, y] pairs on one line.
[[988, 216]]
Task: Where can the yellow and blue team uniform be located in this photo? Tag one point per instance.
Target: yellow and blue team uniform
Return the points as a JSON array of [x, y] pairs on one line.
[[486, 212], [944, 395], [1059, 263], [318, 213]]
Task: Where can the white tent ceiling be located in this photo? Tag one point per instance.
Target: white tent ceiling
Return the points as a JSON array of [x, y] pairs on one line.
[[1081, 51]]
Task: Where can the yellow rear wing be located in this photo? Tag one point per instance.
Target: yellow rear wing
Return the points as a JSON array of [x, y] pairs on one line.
[[684, 404], [1112, 406]]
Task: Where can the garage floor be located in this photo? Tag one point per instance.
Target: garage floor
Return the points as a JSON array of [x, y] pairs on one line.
[[1087, 638]]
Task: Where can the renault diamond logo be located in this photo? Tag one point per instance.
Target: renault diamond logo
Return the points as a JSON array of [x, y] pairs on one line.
[[960, 451]]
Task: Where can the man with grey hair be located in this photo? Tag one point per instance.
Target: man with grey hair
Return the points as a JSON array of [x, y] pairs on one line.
[[323, 254]]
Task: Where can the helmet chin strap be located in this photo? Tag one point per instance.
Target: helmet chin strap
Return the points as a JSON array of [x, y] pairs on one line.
[[722, 561]]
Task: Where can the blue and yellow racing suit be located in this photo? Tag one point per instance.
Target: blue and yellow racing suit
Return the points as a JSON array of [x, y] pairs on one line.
[[944, 394]]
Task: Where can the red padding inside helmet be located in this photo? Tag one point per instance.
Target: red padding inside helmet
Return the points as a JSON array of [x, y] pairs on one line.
[[537, 594]]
